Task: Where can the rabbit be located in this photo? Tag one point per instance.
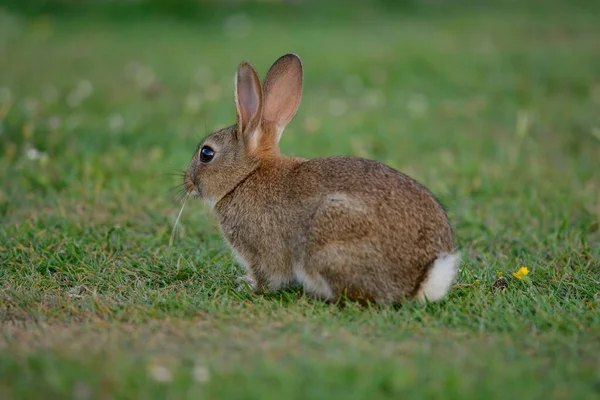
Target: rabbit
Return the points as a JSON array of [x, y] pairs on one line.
[[338, 226]]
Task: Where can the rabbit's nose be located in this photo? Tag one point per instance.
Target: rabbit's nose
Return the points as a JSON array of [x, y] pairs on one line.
[[188, 183], [194, 187]]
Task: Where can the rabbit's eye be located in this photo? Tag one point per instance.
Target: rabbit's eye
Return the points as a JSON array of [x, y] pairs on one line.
[[206, 154]]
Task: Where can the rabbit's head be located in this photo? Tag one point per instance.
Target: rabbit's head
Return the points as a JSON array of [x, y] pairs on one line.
[[227, 156]]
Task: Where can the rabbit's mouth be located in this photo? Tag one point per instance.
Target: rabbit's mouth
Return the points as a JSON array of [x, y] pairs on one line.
[[191, 188], [192, 191]]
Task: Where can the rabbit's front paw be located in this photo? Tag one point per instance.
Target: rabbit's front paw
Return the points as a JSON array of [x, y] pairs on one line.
[[246, 282]]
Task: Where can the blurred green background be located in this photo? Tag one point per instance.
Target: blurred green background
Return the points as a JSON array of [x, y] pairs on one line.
[[492, 105]]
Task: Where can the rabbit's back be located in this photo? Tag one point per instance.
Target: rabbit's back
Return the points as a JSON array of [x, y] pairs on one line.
[[370, 228], [389, 199]]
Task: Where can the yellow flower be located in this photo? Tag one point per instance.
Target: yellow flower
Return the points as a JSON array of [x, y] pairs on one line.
[[522, 272], [499, 274]]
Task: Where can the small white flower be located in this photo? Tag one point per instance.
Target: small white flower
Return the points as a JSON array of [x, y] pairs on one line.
[[131, 68], [160, 373], [116, 123], [337, 107], [54, 122], [31, 105], [417, 105], [84, 88], [373, 99], [34, 154], [82, 391], [144, 77], [193, 102], [201, 374], [82, 91]]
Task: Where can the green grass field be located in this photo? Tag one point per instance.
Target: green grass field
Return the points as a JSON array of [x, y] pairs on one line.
[[496, 110]]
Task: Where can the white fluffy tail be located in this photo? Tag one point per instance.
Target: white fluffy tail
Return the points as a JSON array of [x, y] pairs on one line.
[[440, 277]]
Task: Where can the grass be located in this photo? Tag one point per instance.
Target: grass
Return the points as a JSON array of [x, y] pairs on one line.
[[494, 109]]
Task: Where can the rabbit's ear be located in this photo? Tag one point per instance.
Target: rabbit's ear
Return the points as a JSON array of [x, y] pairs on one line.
[[283, 90], [249, 103]]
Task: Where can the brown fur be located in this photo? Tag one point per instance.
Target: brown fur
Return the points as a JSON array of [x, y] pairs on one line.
[[363, 228]]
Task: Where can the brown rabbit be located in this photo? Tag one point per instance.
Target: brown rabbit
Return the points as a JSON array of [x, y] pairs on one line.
[[338, 225]]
